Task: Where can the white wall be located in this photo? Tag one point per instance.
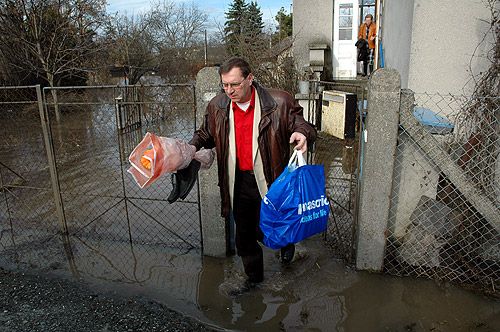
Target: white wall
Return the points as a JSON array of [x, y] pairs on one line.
[[443, 45], [396, 34], [312, 24]]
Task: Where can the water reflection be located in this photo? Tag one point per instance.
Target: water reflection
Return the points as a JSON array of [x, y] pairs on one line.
[[131, 240], [316, 293]]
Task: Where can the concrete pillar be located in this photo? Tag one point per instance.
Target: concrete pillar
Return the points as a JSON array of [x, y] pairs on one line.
[[377, 167], [215, 229]]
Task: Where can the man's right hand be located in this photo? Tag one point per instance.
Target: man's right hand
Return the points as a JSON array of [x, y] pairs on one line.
[[301, 141]]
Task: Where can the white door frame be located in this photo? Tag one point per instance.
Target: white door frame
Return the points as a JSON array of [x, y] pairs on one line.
[[345, 35]]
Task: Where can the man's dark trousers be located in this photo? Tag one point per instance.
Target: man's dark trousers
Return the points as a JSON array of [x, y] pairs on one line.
[[246, 211]]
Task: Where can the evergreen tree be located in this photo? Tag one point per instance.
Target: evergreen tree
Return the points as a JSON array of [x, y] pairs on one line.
[[234, 27], [243, 28], [255, 23], [284, 25], [255, 41]]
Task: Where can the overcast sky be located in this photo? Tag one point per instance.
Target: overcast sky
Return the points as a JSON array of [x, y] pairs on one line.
[[215, 8]]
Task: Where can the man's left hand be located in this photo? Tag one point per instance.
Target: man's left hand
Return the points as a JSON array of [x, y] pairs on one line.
[[301, 141]]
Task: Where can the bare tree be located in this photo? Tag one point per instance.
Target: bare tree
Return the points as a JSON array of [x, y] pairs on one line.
[[168, 38], [134, 45], [180, 34], [179, 26], [51, 40]]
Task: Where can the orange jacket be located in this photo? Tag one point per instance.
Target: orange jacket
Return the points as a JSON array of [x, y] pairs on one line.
[[371, 33]]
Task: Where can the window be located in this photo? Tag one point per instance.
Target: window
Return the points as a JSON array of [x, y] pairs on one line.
[[366, 7], [346, 11]]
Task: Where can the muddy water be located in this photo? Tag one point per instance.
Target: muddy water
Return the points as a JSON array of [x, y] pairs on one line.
[[102, 204], [314, 293], [135, 255]]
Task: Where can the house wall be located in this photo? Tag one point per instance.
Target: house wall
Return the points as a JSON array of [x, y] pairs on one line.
[[396, 36], [312, 24], [436, 45], [443, 45]]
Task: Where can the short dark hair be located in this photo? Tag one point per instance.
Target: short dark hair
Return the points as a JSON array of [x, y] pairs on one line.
[[235, 62], [370, 16]]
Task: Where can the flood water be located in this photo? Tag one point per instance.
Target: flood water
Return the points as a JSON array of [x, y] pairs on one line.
[[315, 293], [129, 241], [101, 202]]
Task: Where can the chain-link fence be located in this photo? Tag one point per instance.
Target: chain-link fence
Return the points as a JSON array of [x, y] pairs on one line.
[[28, 219], [105, 220], [339, 155], [444, 221]]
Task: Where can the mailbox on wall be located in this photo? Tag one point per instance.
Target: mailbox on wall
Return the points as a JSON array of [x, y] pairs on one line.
[[338, 114]]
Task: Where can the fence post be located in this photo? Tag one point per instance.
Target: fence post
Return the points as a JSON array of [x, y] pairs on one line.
[[380, 137], [215, 229], [118, 112], [49, 148]]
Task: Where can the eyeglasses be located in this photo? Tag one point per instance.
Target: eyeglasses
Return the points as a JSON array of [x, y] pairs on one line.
[[232, 85]]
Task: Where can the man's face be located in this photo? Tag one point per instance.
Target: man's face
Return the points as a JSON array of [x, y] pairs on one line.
[[368, 20], [236, 87]]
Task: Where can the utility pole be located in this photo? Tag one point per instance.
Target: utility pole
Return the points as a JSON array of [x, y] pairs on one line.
[[206, 48], [279, 30]]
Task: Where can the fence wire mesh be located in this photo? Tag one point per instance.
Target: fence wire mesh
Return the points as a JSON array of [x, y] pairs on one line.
[[28, 220], [110, 221], [444, 220], [340, 159]]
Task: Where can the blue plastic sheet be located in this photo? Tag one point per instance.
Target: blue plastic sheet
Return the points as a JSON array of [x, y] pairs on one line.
[[295, 207], [435, 123]]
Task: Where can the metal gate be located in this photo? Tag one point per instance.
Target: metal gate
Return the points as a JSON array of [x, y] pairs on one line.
[[99, 218], [340, 158]]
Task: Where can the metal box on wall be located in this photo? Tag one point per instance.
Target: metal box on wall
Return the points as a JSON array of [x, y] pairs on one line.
[[338, 114]]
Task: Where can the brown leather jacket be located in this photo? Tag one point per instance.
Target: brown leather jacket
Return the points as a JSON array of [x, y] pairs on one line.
[[281, 116]]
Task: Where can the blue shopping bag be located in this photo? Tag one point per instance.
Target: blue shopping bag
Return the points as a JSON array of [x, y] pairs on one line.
[[296, 206]]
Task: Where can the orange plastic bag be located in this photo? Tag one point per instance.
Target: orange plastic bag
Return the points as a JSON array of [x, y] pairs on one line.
[[155, 156], [147, 159]]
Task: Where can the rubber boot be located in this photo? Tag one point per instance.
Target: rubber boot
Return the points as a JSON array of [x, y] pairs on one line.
[[287, 253], [254, 267]]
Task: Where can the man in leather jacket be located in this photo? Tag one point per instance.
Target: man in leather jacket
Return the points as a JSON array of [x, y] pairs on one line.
[[251, 128]]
